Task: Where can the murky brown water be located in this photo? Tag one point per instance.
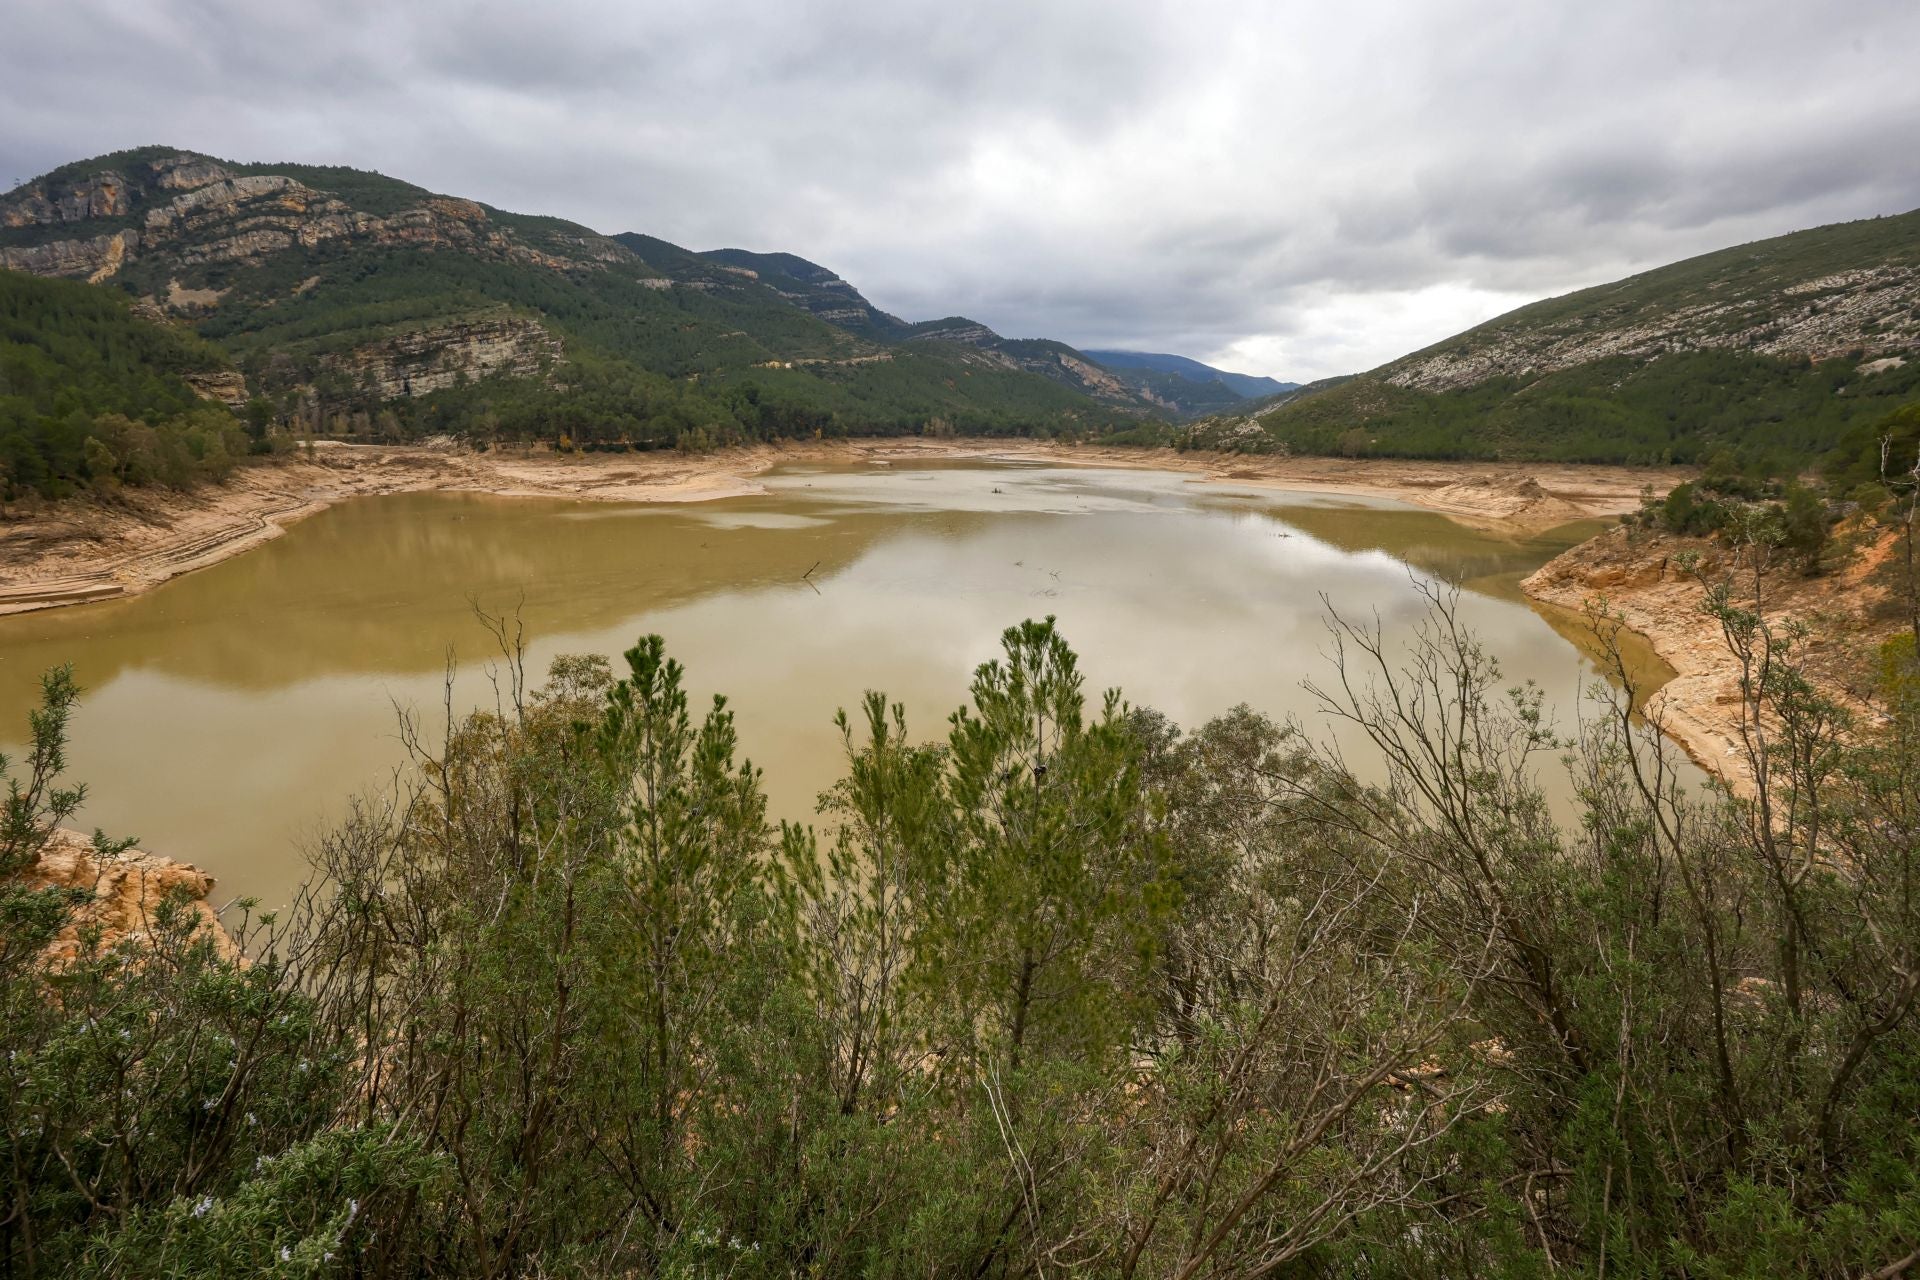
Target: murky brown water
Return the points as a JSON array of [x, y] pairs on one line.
[[229, 714]]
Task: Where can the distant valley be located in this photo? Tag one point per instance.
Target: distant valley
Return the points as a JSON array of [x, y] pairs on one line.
[[1243, 386]]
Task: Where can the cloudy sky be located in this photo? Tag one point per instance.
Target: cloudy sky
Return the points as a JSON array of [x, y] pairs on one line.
[[1292, 188]]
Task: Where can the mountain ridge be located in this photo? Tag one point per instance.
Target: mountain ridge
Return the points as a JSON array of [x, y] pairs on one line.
[[1250, 386], [1768, 351], [363, 296]]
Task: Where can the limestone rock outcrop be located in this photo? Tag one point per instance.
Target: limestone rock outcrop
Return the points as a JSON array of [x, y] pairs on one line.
[[93, 259], [225, 385], [1639, 576], [102, 196], [1873, 310], [197, 212], [438, 356], [124, 891]]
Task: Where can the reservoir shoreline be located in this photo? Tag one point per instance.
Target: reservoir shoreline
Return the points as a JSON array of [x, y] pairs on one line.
[[94, 550], [83, 551]]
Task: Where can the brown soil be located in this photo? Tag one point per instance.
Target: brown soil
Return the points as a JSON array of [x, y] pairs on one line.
[[1635, 575], [89, 549]]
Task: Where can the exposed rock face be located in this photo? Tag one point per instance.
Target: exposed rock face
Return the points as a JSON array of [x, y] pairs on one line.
[[102, 196], [433, 358], [1095, 378], [197, 212], [92, 259], [1227, 434], [181, 298], [1873, 310], [970, 333], [126, 892], [1638, 580], [250, 218], [808, 286], [225, 385], [187, 172], [1638, 575]]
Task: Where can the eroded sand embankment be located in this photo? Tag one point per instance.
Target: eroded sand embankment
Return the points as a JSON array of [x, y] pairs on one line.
[[1637, 575], [85, 550]]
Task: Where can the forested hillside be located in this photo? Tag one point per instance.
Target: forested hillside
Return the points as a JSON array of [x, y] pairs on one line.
[[1769, 351], [357, 304], [93, 396], [362, 304]]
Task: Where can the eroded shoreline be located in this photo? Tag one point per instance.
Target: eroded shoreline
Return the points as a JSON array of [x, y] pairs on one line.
[[80, 552], [1641, 578]]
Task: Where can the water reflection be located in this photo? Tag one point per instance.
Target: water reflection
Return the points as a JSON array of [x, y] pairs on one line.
[[230, 713]]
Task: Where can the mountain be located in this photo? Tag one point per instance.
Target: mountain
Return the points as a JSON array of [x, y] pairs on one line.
[[812, 287], [1186, 388], [1246, 386], [358, 302], [1769, 351]]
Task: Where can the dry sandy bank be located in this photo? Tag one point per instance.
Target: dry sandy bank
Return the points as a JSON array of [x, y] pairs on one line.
[[1638, 576]]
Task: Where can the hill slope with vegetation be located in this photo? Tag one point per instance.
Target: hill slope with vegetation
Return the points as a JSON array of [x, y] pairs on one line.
[[94, 396], [1770, 351], [363, 304]]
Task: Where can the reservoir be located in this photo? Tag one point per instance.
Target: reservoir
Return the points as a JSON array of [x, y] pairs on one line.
[[228, 716]]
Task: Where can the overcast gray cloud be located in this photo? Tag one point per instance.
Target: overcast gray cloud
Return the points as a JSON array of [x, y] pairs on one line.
[[1290, 188]]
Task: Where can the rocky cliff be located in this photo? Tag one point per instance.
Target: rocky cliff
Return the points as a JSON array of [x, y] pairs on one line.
[[434, 357], [192, 211], [123, 893], [103, 195]]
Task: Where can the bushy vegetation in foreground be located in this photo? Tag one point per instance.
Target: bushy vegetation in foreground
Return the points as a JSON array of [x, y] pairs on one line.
[[92, 396], [1069, 991]]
